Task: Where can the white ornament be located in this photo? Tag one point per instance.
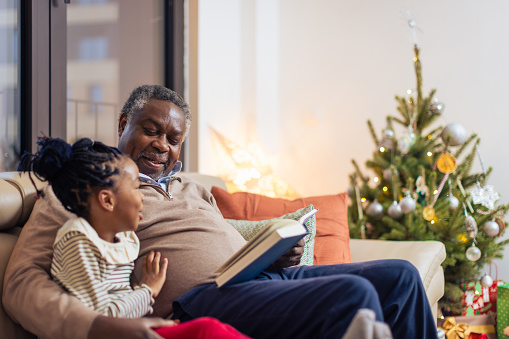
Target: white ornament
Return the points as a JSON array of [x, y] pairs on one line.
[[491, 228], [473, 253], [395, 211], [407, 204], [471, 226], [485, 196], [375, 209], [387, 141], [455, 133], [486, 281], [388, 173], [453, 202], [407, 141]]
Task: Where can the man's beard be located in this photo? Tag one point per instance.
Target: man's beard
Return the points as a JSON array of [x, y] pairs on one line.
[[158, 158]]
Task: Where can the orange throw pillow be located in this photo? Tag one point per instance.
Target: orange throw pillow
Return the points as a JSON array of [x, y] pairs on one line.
[[332, 234]]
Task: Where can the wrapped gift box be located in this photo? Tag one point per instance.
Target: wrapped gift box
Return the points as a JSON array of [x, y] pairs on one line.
[[462, 327], [479, 300], [503, 311]]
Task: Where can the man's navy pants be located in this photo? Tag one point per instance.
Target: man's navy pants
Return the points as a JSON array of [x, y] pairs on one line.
[[317, 301]]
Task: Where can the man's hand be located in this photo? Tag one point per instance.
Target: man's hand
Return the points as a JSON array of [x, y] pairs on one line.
[[291, 257], [141, 328]]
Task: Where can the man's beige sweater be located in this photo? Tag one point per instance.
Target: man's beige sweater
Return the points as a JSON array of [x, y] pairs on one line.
[[188, 229]]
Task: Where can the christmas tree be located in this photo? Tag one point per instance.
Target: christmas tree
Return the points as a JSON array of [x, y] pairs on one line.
[[423, 189]]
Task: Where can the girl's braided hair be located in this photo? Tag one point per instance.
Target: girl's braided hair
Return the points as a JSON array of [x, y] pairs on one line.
[[74, 172]]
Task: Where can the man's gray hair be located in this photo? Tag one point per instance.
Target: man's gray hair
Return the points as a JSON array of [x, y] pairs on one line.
[[142, 94]]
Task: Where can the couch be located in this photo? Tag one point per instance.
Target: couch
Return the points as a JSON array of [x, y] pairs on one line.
[[17, 197]]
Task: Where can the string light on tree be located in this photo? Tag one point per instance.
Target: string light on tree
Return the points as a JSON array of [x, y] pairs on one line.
[[436, 107]]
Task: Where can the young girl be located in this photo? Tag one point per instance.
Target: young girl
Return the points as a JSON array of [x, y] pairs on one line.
[[94, 253]]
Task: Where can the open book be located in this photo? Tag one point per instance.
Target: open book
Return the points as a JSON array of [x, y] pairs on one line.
[[263, 249]]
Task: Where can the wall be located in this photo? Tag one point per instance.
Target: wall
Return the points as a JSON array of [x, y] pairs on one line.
[[303, 77]]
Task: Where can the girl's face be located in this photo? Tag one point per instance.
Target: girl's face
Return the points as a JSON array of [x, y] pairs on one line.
[[129, 199]]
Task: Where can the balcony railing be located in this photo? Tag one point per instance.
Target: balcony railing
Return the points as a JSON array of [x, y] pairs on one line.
[[92, 119]]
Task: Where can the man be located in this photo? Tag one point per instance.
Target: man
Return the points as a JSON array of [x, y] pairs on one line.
[[181, 220]]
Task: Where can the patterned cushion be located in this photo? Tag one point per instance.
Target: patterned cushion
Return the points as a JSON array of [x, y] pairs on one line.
[[248, 229]]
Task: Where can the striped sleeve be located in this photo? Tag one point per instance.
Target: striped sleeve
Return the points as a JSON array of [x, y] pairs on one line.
[[79, 267]]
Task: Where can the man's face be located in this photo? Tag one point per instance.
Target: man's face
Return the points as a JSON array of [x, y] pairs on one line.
[[153, 138]]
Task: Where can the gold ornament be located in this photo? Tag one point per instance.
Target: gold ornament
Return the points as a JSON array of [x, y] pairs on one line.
[[446, 163], [428, 213]]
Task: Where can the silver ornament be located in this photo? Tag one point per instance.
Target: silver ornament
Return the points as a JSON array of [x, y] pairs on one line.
[[453, 202], [375, 209], [491, 228], [471, 226], [455, 133], [395, 211], [473, 253], [388, 173], [350, 190], [486, 281], [407, 204], [437, 108]]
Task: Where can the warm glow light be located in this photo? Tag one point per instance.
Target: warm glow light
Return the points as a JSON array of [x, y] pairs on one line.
[[429, 154], [248, 169], [385, 189], [363, 199], [435, 192], [382, 149], [375, 179], [432, 221]]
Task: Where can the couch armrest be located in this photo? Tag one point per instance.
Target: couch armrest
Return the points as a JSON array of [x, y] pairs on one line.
[[426, 256]]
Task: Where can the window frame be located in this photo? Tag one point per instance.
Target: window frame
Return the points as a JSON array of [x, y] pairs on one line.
[[43, 65]]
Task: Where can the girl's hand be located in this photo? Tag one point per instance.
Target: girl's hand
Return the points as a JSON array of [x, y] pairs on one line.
[[154, 273]]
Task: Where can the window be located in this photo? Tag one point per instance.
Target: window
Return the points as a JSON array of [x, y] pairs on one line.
[[9, 86], [95, 48]]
